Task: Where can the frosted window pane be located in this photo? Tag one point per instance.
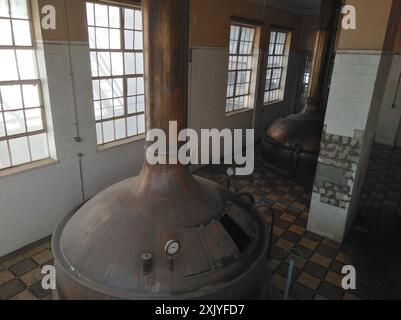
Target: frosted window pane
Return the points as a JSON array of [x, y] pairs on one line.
[[90, 15], [120, 129], [139, 63], [2, 127], [108, 131], [132, 128], [129, 62], [5, 34], [117, 63], [107, 109], [138, 40], [99, 134], [22, 33], [19, 151], [102, 38], [140, 86], [129, 39], [4, 10], [92, 37], [19, 9], [106, 90], [39, 147], [131, 105], [119, 107], [26, 64], [138, 20], [4, 156], [96, 89], [115, 42], [34, 119], [11, 96], [141, 124], [98, 112], [131, 86], [9, 65], [101, 15], [15, 123], [31, 95], [140, 103], [104, 64], [118, 88], [114, 14], [93, 57], [129, 18]]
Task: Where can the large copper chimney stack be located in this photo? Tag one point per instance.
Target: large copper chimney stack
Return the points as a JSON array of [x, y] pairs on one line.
[[292, 144], [164, 234]]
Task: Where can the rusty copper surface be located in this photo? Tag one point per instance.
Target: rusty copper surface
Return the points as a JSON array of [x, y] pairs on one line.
[[114, 246]]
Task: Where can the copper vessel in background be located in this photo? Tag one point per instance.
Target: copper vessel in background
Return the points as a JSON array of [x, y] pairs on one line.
[[292, 144], [165, 234]]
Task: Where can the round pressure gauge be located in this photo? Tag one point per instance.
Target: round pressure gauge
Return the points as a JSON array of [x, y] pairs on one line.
[[172, 247]]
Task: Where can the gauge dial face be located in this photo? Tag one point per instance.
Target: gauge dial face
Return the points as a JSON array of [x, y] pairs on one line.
[[172, 247]]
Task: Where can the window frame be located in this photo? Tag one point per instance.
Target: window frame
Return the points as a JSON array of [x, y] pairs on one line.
[[21, 82], [282, 69], [237, 54], [124, 76]]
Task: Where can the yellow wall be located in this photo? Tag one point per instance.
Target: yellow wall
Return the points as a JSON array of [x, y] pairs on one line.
[[210, 21], [372, 20]]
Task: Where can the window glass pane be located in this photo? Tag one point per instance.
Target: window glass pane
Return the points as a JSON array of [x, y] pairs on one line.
[[15, 122], [132, 126], [104, 64], [4, 155], [107, 109], [138, 41], [90, 14], [114, 14], [140, 86], [26, 64], [119, 110], [92, 37], [98, 110], [101, 15], [129, 62], [141, 124], [2, 126], [19, 150], [138, 20], [94, 66], [11, 96], [19, 9], [120, 129], [39, 147], [118, 88], [129, 39], [106, 89], [22, 33], [129, 19], [34, 120], [99, 133], [108, 131], [5, 34], [139, 63], [4, 9], [115, 41], [9, 66], [31, 95], [140, 103], [102, 38], [131, 107], [118, 65], [131, 86]]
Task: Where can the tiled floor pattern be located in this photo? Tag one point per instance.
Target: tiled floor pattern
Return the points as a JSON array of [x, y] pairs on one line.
[[317, 276]]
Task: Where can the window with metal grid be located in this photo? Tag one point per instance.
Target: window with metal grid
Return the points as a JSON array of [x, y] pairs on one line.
[[242, 40], [276, 66], [23, 137], [116, 54]]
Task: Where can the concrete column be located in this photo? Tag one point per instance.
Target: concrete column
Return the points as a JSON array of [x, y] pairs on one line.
[[361, 69]]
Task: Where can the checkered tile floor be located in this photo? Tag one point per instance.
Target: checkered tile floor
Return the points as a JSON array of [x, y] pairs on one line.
[[373, 248]]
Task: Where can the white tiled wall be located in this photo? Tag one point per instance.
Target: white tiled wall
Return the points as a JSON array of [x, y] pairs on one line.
[[356, 95]]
